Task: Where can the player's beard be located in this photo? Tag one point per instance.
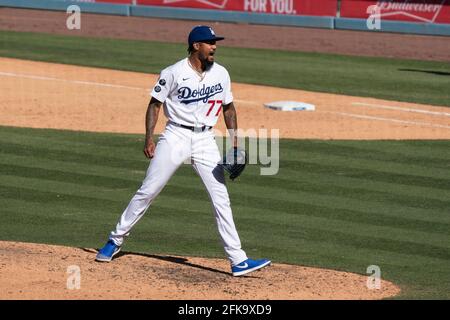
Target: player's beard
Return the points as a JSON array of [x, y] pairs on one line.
[[206, 63]]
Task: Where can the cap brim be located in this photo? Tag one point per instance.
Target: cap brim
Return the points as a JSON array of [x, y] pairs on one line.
[[211, 39]]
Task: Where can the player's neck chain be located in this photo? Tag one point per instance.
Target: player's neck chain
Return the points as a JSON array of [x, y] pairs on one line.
[[200, 74]]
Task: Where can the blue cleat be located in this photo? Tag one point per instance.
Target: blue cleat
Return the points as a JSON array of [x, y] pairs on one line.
[[248, 266], [106, 253]]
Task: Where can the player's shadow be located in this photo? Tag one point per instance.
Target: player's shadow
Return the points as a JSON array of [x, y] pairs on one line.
[[439, 73], [178, 260]]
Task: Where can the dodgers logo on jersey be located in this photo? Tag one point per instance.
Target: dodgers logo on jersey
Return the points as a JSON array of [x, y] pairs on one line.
[[187, 95]]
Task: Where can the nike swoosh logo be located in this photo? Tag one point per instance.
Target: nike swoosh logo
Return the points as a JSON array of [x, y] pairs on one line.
[[184, 79], [243, 267]]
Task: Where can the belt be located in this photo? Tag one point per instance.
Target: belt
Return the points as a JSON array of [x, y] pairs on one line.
[[195, 129]]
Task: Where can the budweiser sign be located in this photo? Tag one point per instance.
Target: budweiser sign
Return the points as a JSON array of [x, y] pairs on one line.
[[425, 11], [421, 11]]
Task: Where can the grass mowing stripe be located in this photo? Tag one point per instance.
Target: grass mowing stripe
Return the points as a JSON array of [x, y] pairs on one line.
[[346, 182], [346, 215], [88, 204], [41, 218], [310, 148], [293, 203], [84, 202], [49, 146], [345, 209], [30, 188], [73, 167], [83, 233], [158, 218], [435, 151], [60, 190], [70, 188], [353, 223], [383, 167], [369, 173], [292, 200], [94, 142], [135, 167], [375, 77], [71, 137], [52, 140], [267, 197], [352, 237], [23, 208], [138, 165], [86, 158], [357, 192], [65, 176], [305, 211]]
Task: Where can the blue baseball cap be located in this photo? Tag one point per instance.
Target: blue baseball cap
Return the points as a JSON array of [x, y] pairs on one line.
[[202, 33]]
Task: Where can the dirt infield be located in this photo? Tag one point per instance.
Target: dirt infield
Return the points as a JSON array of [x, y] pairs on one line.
[[401, 46], [47, 272]]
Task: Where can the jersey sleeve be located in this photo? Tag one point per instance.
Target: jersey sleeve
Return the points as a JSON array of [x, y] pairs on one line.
[[228, 94], [163, 86]]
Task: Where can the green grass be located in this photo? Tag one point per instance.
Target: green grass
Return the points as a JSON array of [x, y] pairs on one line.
[[393, 79], [342, 205]]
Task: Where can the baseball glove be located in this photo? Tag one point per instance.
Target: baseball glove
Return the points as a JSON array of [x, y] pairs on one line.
[[234, 162]]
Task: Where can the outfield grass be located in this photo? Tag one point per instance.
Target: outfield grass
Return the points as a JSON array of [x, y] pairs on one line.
[[393, 79], [342, 205]]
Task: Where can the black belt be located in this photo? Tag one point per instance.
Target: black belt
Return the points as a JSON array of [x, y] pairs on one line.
[[196, 129]]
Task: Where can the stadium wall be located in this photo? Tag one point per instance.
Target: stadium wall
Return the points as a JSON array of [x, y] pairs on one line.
[[348, 14]]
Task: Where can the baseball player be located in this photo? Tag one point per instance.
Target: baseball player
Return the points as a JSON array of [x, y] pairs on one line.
[[193, 92]]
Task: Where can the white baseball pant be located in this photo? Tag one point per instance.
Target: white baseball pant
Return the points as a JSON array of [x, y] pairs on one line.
[[174, 147]]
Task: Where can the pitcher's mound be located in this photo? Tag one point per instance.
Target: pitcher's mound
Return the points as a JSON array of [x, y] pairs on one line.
[[38, 271]]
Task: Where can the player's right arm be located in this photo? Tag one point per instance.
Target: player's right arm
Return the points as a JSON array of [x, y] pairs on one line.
[[151, 118], [159, 94]]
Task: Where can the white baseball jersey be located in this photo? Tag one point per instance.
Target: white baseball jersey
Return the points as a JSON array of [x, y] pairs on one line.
[[190, 100]]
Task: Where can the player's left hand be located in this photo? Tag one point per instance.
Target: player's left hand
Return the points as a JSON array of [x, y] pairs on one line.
[[234, 162]]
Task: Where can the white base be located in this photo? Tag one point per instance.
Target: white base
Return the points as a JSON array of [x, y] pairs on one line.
[[290, 106]]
